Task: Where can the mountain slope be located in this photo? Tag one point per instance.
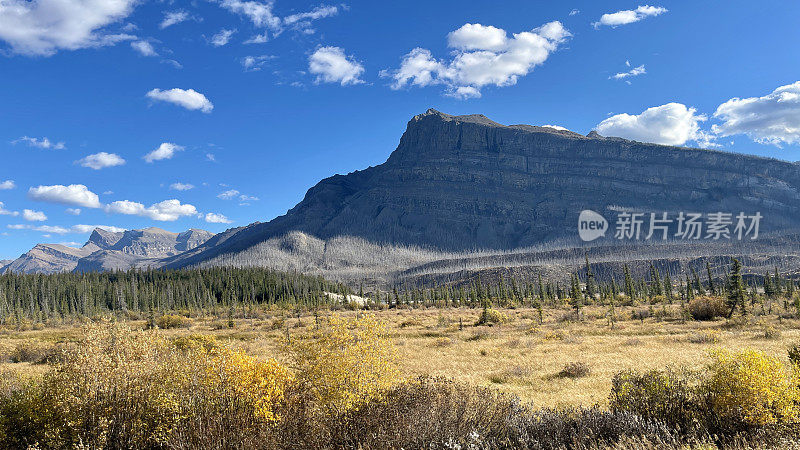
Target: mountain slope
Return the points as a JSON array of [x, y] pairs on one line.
[[106, 250], [460, 183]]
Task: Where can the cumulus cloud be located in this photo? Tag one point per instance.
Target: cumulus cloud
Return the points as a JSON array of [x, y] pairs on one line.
[[164, 151], [74, 211], [332, 65], [173, 18], [221, 38], [181, 186], [482, 56], [625, 17], [73, 195], [40, 143], [771, 119], [217, 218], [166, 211], [555, 127], [43, 27], [33, 216], [263, 16], [101, 160], [7, 184], [187, 98], [5, 212], [670, 124], [144, 48]]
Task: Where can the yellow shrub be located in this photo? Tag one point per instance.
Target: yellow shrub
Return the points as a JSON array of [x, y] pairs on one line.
[[345, 363], [172, 321], [118, 388], [261, 384], [753, 387]]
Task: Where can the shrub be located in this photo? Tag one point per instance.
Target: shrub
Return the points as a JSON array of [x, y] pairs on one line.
[[707, 308], [428, 413], [794, 355], [668, 396], [704, 337], [491, 316], [575, 370], [344, 364], [116, 388], [752, 388], [172, 321]]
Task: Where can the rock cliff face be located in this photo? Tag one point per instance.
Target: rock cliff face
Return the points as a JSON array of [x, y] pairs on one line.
[[459, 183], [106, 250]]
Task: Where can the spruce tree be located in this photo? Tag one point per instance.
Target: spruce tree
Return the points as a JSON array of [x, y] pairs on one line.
[[735, 288]]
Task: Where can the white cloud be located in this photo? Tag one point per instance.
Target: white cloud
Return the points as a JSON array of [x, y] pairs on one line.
[[303, 20], [248, 198], [74, 194], [40, 143], [173, 18], [635, 72], [5, 212], [74, 211], [43, 27], [262, 15], [257, 39], [217, 218], [574, 12], [33, 216], [101, 160], [482, 56], [144, 48], [90, 228], [771, 119], [670, 124], [555, 127], [331, 65], [74, 229], [210, 157], [166, 211], [221, 38], [629, 16], [187, 98], [181, 186], [474, 36], [228, 195], [164, 151], [254, 63], [6, 185]]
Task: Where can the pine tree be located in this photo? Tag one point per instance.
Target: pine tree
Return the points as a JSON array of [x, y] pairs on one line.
[[629, 290], [735, 288], [710, 279], [576, 297], [591, 286]]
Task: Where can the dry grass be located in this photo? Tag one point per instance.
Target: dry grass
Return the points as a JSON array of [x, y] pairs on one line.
[[519, 356]]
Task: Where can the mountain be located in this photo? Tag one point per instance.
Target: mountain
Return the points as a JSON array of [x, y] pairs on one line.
[[460, 184], [106, 250]]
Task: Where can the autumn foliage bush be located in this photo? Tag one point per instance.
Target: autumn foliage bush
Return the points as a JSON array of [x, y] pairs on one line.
[[340, 388]]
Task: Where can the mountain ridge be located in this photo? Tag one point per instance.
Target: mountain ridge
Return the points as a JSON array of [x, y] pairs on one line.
[[493, 186]]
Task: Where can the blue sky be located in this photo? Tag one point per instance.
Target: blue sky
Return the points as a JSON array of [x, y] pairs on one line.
[[117, 107]]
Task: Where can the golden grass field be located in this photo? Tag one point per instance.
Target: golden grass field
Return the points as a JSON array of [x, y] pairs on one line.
[[519, 356]]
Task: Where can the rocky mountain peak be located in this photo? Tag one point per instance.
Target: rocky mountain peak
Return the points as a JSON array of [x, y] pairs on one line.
[[103, 238]]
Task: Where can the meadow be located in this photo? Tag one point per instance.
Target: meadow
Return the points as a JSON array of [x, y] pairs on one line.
[[545, 359]]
